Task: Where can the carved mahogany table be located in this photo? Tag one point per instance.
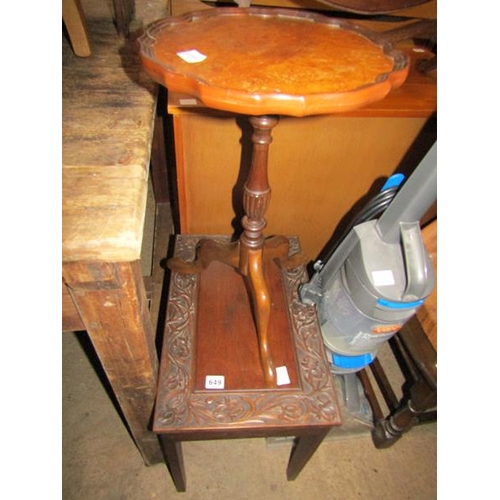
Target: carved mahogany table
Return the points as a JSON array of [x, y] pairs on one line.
[[237, 363]]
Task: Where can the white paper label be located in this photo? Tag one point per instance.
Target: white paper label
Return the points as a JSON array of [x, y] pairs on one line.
[[383, 278], [192, 56], [282, 377], [214, 382], [188, 102]]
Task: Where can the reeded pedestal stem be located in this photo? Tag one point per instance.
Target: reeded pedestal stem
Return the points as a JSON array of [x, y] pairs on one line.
[[256, 198], [247, 254]]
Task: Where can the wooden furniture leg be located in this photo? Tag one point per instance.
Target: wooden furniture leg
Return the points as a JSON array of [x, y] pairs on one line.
[[418, 358], [111, 301], [124, 11], [303, 450], [175, 462], [74, 19], [248, 254], [388, 430], [201, 338], [256, 198]]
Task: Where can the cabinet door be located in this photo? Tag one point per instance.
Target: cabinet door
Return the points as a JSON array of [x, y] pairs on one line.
[[319, 168]]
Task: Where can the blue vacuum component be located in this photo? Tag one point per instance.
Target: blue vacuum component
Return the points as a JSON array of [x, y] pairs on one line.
[[351, 362], [393, 181], [400, 305], [378, 275]]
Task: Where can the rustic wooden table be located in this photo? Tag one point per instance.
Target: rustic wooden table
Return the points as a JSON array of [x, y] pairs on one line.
[[109, 109]]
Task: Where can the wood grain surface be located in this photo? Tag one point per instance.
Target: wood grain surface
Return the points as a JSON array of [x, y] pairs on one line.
[[272, 61], [108, 110]]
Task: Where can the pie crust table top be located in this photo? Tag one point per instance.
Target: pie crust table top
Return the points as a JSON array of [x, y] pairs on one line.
[[264, 61]]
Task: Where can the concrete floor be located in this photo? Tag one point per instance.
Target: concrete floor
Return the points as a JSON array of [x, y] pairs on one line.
[[100, 460]]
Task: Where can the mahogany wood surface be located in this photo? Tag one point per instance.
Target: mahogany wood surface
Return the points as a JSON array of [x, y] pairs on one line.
[[190, 342], [209, 330], [227, 342], [265, 62], [325, 163], [272, 61]]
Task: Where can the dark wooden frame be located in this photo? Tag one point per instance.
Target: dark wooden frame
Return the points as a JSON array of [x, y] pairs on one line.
[[418, 361], [307, 411]]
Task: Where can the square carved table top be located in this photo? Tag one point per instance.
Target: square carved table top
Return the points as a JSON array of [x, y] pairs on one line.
[[221, 341]]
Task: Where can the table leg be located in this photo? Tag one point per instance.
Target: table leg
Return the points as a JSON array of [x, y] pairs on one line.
[[388, 430], [247, 255], [111, 300], [74, 19], [175, 462], [303, 450]]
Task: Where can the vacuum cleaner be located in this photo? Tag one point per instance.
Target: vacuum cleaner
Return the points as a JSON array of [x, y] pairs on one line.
[[374, 280]]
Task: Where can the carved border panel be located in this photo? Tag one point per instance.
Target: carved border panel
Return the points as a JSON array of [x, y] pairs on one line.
[[180, 408]]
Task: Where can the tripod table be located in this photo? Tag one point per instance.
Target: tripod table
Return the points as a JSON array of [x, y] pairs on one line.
[[242, 356]]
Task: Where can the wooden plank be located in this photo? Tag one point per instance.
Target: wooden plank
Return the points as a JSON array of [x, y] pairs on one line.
[[103, 213], [109, 107], [71, 320], [106, 98]]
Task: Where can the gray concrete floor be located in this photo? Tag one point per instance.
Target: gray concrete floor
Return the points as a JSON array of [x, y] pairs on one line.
[[101, 462]]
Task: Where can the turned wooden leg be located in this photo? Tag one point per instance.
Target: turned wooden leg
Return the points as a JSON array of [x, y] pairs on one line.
[[247, 254], [387, 431], [256, 198]]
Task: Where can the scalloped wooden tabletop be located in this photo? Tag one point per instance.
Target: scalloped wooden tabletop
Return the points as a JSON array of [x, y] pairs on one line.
[[272, 61]]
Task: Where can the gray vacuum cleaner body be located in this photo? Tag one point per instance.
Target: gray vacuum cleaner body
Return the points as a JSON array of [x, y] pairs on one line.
[[377, 277]]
